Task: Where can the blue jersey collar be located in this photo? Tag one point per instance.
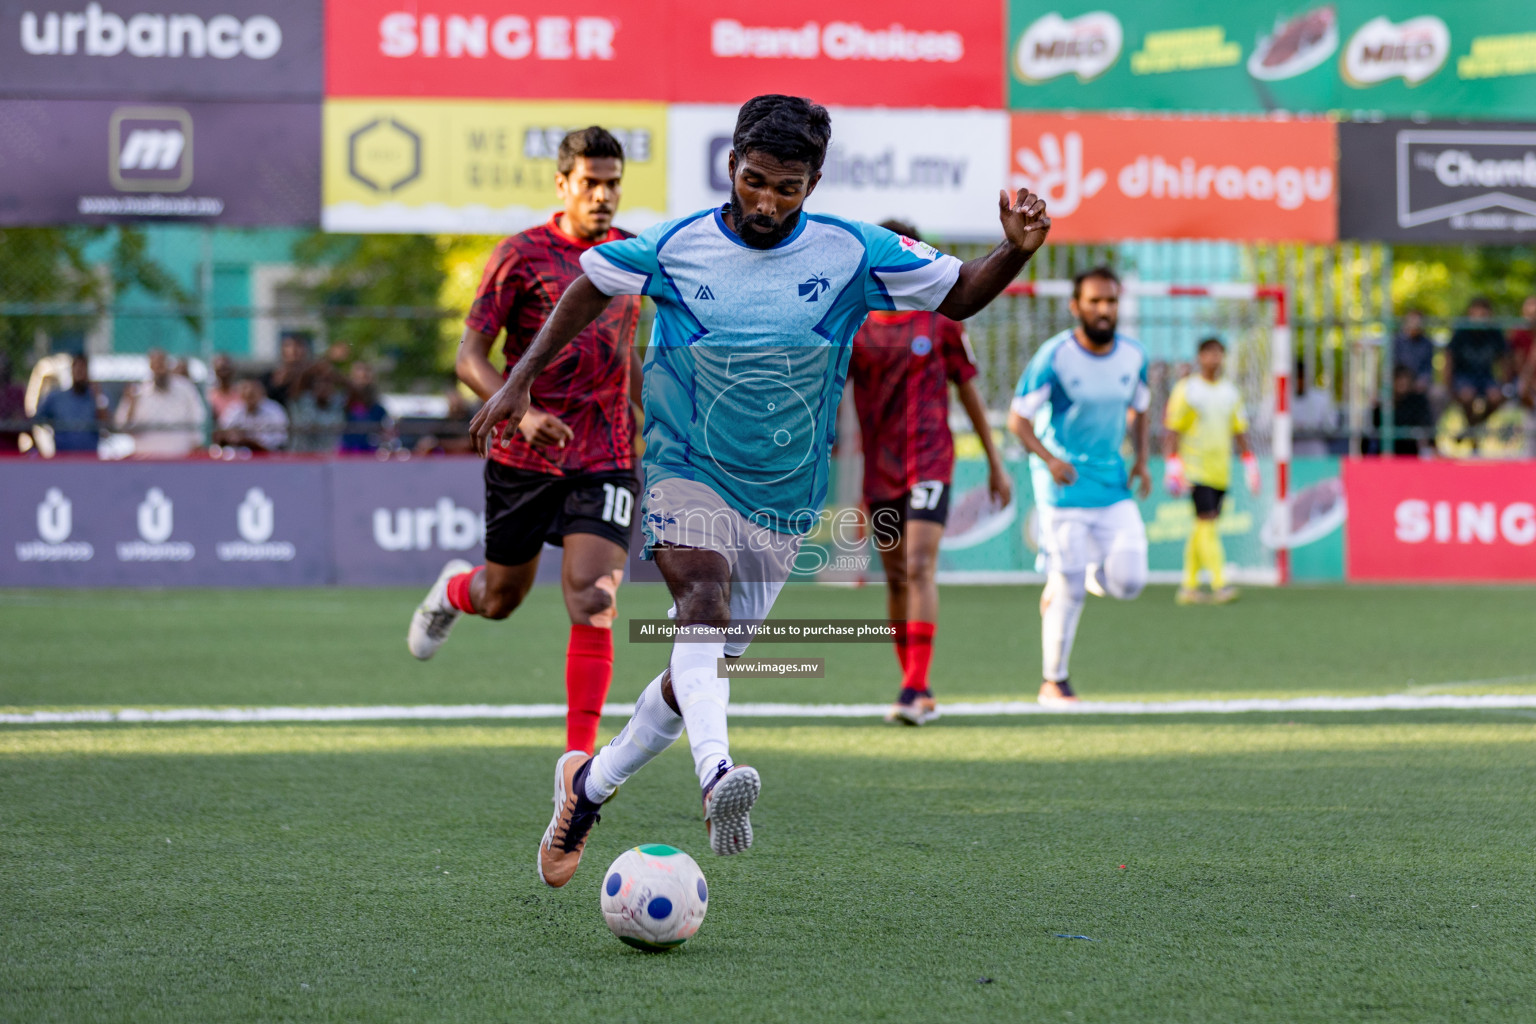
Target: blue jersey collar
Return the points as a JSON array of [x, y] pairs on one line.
[[733, 236]]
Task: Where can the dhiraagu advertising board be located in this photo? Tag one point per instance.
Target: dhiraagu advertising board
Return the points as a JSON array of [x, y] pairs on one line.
[[477, 166]]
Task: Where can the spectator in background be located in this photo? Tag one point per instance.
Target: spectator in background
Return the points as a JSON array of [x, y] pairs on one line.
[[1475, 357], [1522, 340], [225, 390], [75, 413], [368, 424], [452, 436], [317, 415], [255, 422], [1314, 417], [1414, 349], [1412, 422], [164, 414], [284, 380], [13, 410]]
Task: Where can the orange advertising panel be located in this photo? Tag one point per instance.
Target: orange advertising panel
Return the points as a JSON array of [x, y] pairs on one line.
[[1107, 178]]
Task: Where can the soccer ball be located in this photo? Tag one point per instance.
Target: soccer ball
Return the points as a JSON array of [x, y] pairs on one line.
[[654, 897]]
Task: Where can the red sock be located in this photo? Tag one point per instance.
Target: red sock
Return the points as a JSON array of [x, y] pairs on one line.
[[901, 644], [458, 590], [588, 671], [919, 655]]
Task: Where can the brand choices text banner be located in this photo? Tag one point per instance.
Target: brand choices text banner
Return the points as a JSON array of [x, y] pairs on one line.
[[856, 52], [1440, 521], [1397, 56], [237, 524]]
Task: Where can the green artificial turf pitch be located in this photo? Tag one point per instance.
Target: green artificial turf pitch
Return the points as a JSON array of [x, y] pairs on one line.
[[1300, 867]]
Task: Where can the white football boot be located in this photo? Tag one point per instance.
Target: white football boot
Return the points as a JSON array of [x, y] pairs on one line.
[[434, 617]]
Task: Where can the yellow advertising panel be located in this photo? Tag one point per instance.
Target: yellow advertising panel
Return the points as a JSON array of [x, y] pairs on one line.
[[475, 166]]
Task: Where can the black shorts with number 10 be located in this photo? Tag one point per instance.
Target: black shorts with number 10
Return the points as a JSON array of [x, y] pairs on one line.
[[525, 510]]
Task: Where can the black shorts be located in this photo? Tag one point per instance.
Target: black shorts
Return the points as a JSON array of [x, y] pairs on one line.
[[525, 510], [928, 501], [1207, 500]]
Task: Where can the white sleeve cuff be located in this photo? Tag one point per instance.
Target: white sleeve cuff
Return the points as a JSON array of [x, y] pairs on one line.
[[1028, 405], [1142, 400], [610, 278], [923, 287]]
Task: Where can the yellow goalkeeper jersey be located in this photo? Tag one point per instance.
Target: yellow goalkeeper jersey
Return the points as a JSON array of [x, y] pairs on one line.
[[1205, 415]]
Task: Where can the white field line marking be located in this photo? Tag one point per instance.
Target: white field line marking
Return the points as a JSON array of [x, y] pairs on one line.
[[450, 712]]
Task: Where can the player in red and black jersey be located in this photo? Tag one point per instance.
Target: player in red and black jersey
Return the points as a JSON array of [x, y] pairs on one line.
[[901, 369], [568, 477]]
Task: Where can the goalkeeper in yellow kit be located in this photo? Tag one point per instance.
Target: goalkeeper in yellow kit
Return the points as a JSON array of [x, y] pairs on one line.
[[1204, 419]]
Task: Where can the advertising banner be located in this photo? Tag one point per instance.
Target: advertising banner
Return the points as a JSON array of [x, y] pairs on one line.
[[162, 524], [1438, 181], [528, 49], [1395, 56], [938, 169], [896, 53], [100, 162], [397, 523], [1108, 178], [187, 49], [984, 544], [475, 166], [1441, 521]]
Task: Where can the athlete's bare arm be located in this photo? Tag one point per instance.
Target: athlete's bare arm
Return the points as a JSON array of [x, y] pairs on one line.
[[1062, 472], [1139, 470], [581, 304], [474, 367], [998, 481], [1025, 225]]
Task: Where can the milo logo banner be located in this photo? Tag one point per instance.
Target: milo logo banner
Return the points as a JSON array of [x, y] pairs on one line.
[[1396, 56]]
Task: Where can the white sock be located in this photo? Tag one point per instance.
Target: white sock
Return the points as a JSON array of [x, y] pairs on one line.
[[651, 729], [1058, 626], [702, 696]]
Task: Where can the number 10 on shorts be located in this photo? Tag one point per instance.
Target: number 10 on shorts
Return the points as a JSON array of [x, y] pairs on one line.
[[618, 504]]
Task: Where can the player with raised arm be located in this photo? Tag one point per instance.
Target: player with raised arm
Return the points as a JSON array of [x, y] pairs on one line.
[[564, 472], [903, 363], [1204, 419], [1070, 413], [757, 303]]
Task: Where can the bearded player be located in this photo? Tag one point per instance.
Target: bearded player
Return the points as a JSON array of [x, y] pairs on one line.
[[903, 362], [566, 473], [1070, 413], [1204, 419], [757, 304]]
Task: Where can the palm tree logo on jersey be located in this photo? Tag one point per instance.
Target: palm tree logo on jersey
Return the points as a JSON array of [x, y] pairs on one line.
[[812, 289]]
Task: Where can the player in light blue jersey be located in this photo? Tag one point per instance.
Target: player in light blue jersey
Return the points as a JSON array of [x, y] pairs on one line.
[[757, 304], [1070, 411]]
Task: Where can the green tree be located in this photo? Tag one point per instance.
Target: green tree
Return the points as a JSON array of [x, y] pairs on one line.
[[380, 295], [51, 286], [1441, 279]]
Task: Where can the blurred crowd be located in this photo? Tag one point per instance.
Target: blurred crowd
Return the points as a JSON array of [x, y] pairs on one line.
[[1465, 391], [305, 404], [1469, 393]]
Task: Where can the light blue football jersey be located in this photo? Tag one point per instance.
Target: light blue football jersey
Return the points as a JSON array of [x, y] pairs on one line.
[[1078, 402], [750, 348]]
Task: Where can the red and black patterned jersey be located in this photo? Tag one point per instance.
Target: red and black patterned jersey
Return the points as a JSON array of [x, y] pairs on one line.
[[587, 385], [901, 368]]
